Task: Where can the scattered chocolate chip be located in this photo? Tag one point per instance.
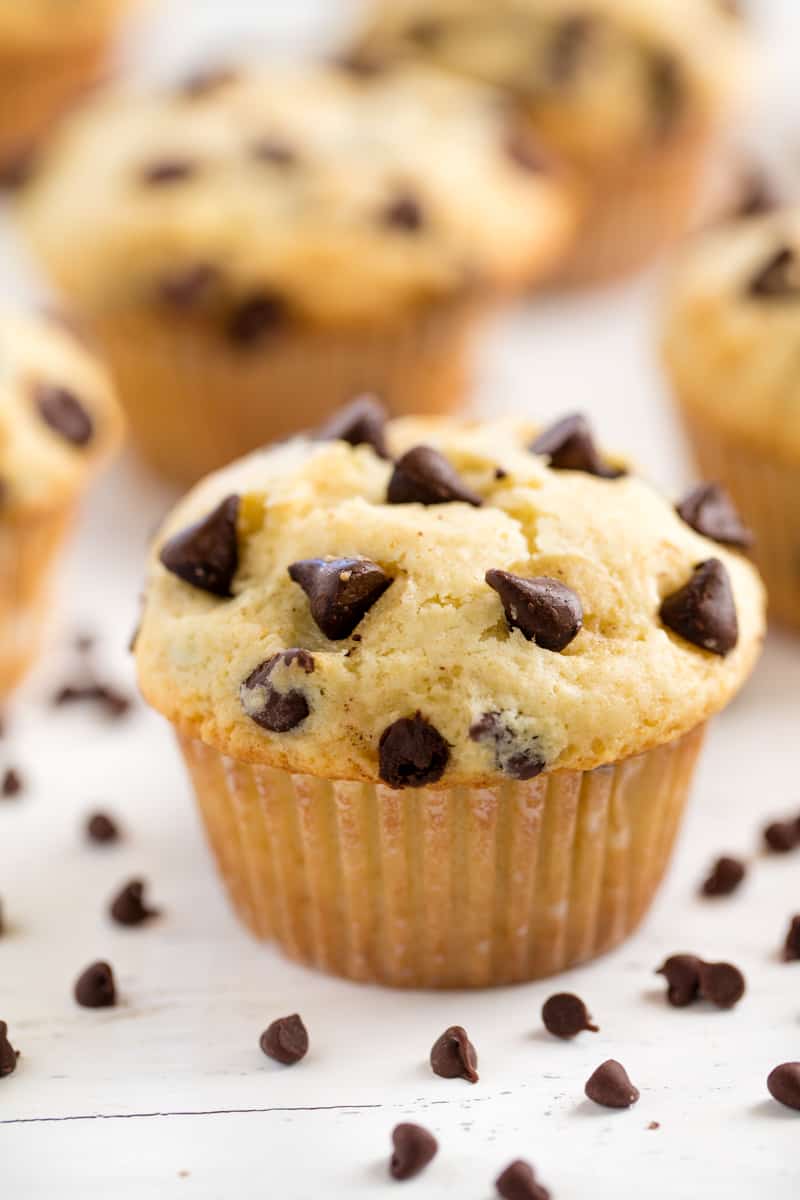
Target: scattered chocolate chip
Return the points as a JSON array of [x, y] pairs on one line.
[[781, 837], [204, 83], [500, 473], [8, 1055], [285, 1040], [667, 91], [360, 423], [412, 753], [63, 412], [512, 757], [168, 171], [453, 1055], [654, 1125], [570, 446], [783, 1084], [682, 973], [709, 510], [544, 610], [610, 1086], [186, 287], [791, 945], [413, 1149], [570, 40], [565, 1016], [778, 278], [115, 704], [95, 987], [721, 983], [424, 476], [12, 784], [518, 1182], [273, 710], [128, 906], [724, 877], [255, 318], [403, 213], [274, 152], [341, 591], [102, 829], [206, 554], [703, 611]]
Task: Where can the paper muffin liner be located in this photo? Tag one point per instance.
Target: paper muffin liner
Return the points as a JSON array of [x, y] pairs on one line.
[[444, 888], [195, 402]]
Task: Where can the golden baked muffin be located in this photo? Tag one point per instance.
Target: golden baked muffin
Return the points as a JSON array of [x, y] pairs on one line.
[[51, 53], [731, 339], [632, 93], [440, 687], [58, 423], [254, 249]]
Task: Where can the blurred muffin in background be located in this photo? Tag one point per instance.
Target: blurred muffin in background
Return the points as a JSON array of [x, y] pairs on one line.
[[732, 350], [59, 422], [254, 249], [51, 53], [631, 92]]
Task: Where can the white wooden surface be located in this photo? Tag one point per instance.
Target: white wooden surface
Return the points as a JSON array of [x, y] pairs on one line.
[[169, 1096]]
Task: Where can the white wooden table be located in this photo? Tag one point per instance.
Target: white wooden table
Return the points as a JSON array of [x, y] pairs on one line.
[[168, 1095]]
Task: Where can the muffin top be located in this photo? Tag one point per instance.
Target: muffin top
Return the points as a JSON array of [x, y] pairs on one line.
[[45, 23], [317, 194], [601, 77], [429, 600], [58, 415], [732, 331]]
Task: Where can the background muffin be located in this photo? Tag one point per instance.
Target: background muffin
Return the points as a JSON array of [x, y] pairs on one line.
[[254, 250]]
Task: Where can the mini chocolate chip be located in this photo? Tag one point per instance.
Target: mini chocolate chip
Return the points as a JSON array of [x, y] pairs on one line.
[[500, 473], [667, 91], [102, 829], [206, 554], [453, 1055], [115, 704], [255, 318], [128, 906], [12, 784], [184, 288], [404, 213], [703, 611], [791, 945], [274, 152], [412, 753], [709, 510], [517, 760], [95, 987], [781, 837], [721, 983], [203, 83], [570, 446], [8, 1055], [168, 171], [570, 40], [518, 1182], [360, 423], [413, 1149], [783, 1084], [285, 1040], [778, 278], [682, 973], [341, 591], [62, 411], [565, 1016], [424, 476], [654, 1125], [610, 1086], [273, 710], [724, 877], [544, 610]]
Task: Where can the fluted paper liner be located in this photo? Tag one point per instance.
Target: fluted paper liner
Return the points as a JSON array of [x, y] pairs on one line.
[[460, 887]]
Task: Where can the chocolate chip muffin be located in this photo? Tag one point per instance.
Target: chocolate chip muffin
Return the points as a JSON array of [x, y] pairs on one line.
[[731, 339], [255, 249], [440, 687], [631, 93], [58, 423]]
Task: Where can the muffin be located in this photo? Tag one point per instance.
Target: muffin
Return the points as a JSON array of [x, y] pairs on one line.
[[632, 94], [254, 250], [51, 53], [440, 688], [58, 423], [731, 339]]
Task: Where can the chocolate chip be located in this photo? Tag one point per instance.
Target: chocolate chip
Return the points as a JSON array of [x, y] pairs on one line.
[[360, 423], [285, 1040], [255, 318], [610, 1086], [204, 83], [783, 1084], [274, 153], [724, 877], [361, 65], [115, 704], [721, 983], [453, 1055], [544, 610], [404, 213], [412, 753], [102, 829], [682, 973], [709, 510], [518, 1182], [565, 1016], [16, 172], [703, 611], [781, 837], [514, 757], [654, 1125], [413, 1149], [186, 287], [63, 412], [791, 945], [570, 446], [778, 278], [273, 710], [667, 92], [95, 987], [341, 591], [424, 476], [128, 906], [168, 171], [206, 554], [757, 196], [12, 784], [425, 32], [570, 40], [8, 1055]]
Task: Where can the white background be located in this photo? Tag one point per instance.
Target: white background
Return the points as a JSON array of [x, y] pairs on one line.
[[168, 1095]]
